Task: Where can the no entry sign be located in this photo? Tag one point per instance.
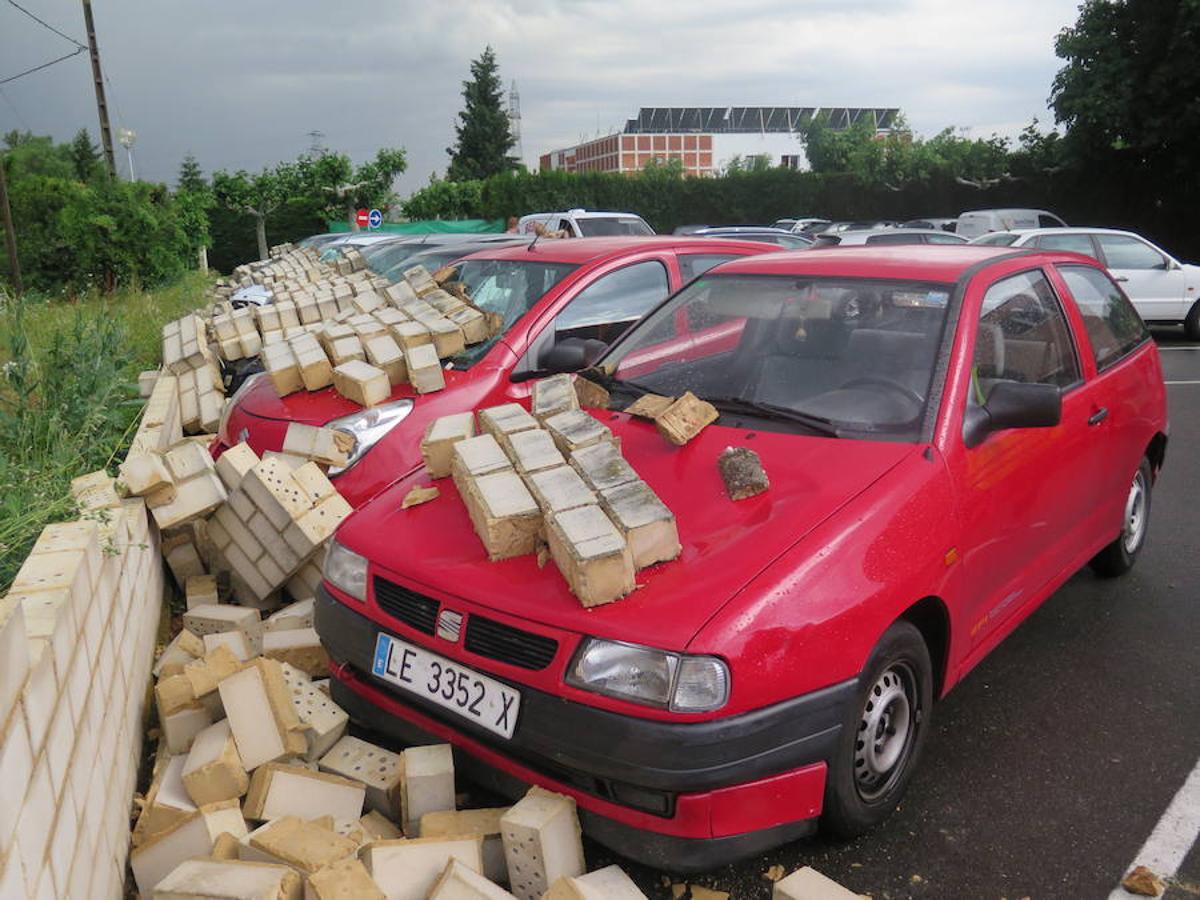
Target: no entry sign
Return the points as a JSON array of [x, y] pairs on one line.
[[362, 218]]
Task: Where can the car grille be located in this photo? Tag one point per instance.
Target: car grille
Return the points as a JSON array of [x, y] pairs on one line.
[[409, 607], [510, 645], [484, 636]]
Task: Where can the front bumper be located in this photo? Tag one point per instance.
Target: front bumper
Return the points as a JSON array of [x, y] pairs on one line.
[[681, 796]]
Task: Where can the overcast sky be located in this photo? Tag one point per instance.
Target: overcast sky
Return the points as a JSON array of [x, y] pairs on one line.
[[240, 85]]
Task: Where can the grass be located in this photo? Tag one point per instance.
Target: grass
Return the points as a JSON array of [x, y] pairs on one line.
[[68, 397]]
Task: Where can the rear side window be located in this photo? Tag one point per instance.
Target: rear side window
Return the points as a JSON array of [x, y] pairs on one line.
[[898, 238], [693, 264], [621, 296], [1048, 221], [1074, 243], [1113, 325], [1023, 336], [1124, 252], [943, 239]]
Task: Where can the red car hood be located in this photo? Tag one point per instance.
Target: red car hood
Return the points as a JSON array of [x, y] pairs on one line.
[[311, 408], [725, 544]]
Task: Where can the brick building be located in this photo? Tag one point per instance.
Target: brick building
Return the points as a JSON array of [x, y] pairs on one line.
[[705, 139]]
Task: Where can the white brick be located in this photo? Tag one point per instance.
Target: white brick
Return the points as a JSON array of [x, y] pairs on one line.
[[228, 880], [809, 884], [60, 743], [408, 869], [609, 883], [460, 882], [380, 770], [14, 655], [542, 842], [483, 822], [36, 819], [279, 790], [428, 783], [193, 836], [39, 700], [16, 764]]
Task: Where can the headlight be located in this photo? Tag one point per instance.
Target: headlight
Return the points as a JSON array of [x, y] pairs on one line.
[[346, 571], [368, 426], [653, 677], [223, 425]]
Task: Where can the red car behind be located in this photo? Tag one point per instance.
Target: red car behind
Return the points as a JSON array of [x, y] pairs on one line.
[[950, 433], [573, 297]]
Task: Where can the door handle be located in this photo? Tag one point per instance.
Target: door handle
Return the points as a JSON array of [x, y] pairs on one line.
[[1098, 416], [1121, 278]]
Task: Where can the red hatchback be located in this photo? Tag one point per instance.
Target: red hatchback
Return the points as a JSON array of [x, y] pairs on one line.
[[949, 432], [563, 303]]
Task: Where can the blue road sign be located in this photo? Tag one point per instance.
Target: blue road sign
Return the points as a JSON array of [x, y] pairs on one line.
[[375, 219]]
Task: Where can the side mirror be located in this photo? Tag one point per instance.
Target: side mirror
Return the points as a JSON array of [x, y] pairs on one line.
[[571, 355], [1011, 404]]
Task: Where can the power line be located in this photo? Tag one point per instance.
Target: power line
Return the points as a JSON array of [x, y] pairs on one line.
[[46, 24], [75, 52]]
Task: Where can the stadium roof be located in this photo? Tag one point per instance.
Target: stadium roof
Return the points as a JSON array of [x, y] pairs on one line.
[[751, 119]]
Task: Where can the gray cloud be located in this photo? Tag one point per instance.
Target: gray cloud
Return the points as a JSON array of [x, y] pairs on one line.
[[241, 84]]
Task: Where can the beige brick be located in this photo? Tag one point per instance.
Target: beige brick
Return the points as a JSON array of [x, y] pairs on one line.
[[377, 827], [184, 648], [279, 790], [471, 322], [809, 884], [258, 704], [173, 694], [504, 514], [280, 498], [194, 499], [233, 523], [16, 762], [685, 418], [95, 491], [361, 382], [428, 783], [344, 350], [235, 642], [460, 882], [552, 396], [410, 334], [448, 338], [234, 463], [591, 554], [304, 846], [420, 280], [602, 466], [316, 371], [215, 618], [424, 369], [409, 869], [181, 727], [533, 451], [143, 473], [295, 615], [482, 822], [399, 293], [14, 654], [192, 836], [559, 489], [383, 352], [380, 770], [573, 430], [609, 883], [210, 879], [201, 590], [324, 721], [188, 459], [313, 528], [344, 880], [542, 842], [213, 770], [325, 446], [476, 457], [644, 520], [299, 647], [184, 562], [437, 445], [505, 420]]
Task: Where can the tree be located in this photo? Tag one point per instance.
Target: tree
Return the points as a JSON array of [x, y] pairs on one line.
[[85, 156], [1130, 83], [191, 176], [343, 189], [484, 137], [257, 195]]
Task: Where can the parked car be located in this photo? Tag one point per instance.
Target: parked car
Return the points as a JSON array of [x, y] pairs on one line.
[[949, 434], [562, 303], [980, 221], [788, 240], [434, 256], [803, 225], [587, 223], [887, 236], [942, 224], [1163, 290]]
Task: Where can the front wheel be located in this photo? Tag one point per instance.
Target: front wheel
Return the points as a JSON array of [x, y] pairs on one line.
[[1119, 556], [1191, 323], [882, 735]]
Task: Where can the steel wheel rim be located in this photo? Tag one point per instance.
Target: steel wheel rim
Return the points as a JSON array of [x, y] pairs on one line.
[[886, 729], [1134, 529]]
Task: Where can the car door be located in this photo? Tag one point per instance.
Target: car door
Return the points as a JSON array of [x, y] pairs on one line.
[[1073, 242], [1023, 491], [1156, 286]]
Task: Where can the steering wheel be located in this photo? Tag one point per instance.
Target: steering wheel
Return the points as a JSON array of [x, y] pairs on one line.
[[881, 381]]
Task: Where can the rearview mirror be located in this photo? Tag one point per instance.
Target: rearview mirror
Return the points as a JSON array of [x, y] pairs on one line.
[[1012, 404], [571, 355]]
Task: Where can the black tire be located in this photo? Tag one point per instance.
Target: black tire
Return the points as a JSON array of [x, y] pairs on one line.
[[1191, 323], [1119, 556], [865, 782]]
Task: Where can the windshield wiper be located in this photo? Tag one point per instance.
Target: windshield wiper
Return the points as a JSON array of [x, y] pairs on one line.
[[818, 424], [611, 383]]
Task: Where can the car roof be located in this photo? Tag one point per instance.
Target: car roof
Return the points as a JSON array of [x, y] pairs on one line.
[[741, 229], [919, 262], [1071, 229], [582, 250]]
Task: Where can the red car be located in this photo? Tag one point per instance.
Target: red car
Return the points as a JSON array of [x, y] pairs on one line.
[[949, 433], [563, 303]]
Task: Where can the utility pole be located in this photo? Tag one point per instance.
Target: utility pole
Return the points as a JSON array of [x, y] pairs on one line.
[[98, 78], [10, 236]]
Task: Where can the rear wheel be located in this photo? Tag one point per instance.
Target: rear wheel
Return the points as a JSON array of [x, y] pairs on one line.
[[1119, 556], [882, 735], [1191, 323]]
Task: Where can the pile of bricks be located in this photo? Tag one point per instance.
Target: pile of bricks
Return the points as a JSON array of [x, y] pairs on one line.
[[187, 356], [258, 790], [554, 479]]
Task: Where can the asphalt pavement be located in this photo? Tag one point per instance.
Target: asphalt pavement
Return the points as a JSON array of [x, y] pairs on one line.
[[1050, 765]]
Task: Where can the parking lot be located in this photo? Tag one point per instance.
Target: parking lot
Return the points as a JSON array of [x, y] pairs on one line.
[[1051, 764]]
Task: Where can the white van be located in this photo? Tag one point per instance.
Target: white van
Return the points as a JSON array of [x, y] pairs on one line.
[[981, 221], [585, 223]]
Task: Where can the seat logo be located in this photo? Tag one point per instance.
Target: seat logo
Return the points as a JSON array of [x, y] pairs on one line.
[[449, 625]]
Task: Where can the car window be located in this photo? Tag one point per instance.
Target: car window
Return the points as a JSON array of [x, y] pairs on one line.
[[693, 264], [1075, 243], [1022, 336], [605, 227], [1113, 325], [1124, 252], [943, 239], [898, 237], [1048, 221], [622, 296], [997, 239]]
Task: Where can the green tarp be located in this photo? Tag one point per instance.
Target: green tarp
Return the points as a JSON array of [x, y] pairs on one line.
[[432, 226]]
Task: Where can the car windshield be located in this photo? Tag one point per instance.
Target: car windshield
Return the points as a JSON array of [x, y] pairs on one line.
[[507, 287], [997, 239], [607, 227], [843, 356]]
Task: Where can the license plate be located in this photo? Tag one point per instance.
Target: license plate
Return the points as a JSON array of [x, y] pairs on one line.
[[451, 685]]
